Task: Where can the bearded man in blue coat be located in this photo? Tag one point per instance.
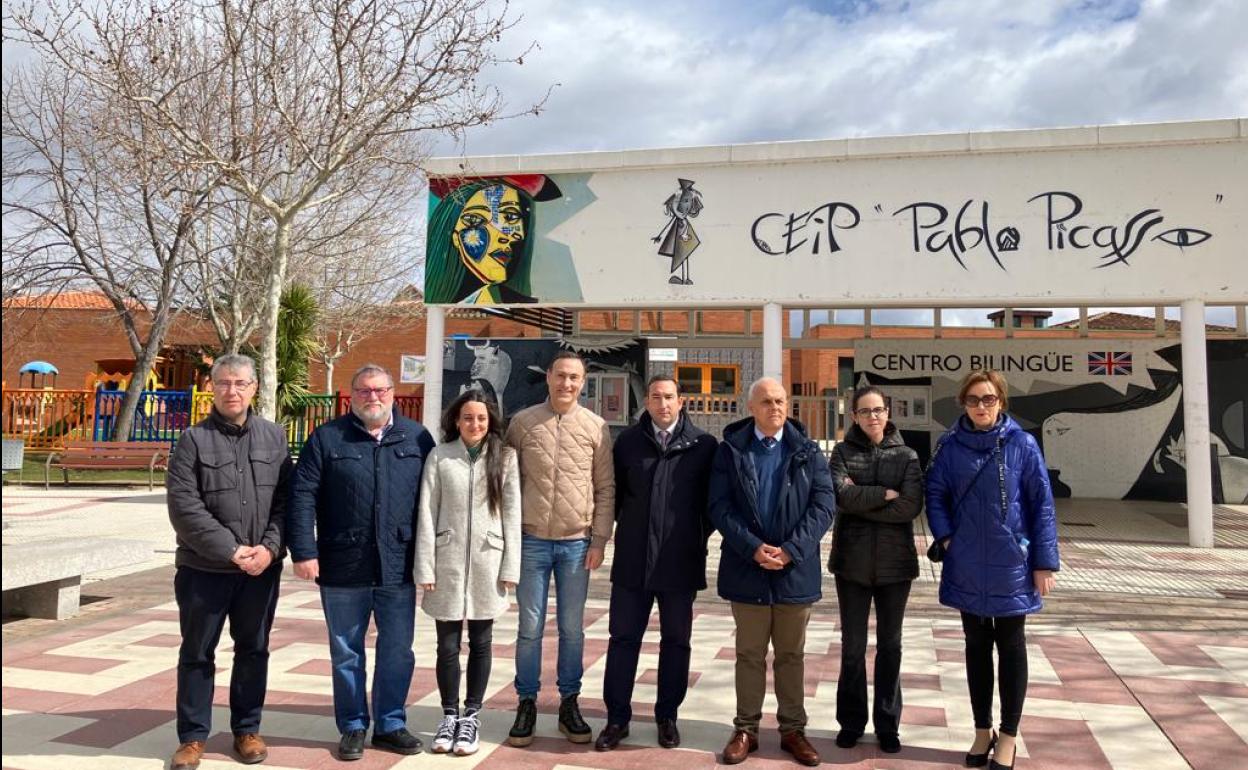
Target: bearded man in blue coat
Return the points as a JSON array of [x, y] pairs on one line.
[[772, 499], [352, 525]]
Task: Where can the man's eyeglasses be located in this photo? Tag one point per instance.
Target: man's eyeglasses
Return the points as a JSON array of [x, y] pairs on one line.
[[232, 384], [973, 401], [378, 392], [875, 411]]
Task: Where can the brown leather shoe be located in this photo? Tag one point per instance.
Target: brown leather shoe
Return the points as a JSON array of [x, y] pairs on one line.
[[187, 756], [740, 746], [250, 748], [796, 744]]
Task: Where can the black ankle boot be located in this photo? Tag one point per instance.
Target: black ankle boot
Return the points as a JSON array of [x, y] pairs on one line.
[[570, 722]]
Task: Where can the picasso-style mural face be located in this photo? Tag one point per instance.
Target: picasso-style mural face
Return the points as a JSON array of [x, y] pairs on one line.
[[482, 235], [490, 232]]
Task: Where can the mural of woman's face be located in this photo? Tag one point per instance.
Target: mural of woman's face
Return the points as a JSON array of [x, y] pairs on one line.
[[490, 232]]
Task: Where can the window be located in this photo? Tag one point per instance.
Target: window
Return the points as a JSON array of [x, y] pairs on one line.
[[689, 378], [709, 379]]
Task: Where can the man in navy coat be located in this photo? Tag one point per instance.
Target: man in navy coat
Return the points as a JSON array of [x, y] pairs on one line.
[[351, 526], [772, 498], [662, 470]]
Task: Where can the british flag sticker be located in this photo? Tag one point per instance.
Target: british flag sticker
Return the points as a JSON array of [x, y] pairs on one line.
[[1109, 363]]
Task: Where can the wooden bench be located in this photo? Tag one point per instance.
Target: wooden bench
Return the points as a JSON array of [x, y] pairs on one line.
[[108, 455], [43, 578]]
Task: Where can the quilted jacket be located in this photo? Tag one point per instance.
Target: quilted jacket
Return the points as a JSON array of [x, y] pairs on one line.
[[353, 501], [567, 478], [803, 514], [992, 551], [463, 547], [874, 540]]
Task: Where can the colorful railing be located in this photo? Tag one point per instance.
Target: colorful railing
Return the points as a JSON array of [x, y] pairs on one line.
[[46, 419], [161, 415], [315, 410], [310, 412]]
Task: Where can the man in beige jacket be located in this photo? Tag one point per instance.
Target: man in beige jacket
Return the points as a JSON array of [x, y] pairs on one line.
[[568, 504]]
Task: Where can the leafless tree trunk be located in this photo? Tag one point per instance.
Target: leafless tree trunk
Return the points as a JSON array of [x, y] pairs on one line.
[[91, 198], [298, 104], [231, 248]]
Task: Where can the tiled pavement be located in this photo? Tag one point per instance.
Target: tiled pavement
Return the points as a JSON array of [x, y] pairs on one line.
[[1140, 661]]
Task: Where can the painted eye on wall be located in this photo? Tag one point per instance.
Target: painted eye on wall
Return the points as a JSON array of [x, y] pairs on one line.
[[1183, 236]]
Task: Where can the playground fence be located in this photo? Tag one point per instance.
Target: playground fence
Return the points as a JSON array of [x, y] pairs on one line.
[[44, 419]]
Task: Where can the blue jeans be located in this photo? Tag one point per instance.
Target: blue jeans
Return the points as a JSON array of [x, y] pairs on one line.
[[347, 611], [538, 559]]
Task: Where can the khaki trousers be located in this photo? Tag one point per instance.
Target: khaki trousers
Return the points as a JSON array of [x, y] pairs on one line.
[[783, 626]]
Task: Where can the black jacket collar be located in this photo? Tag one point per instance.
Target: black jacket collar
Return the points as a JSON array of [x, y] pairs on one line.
[[228, 428], [684, 432]]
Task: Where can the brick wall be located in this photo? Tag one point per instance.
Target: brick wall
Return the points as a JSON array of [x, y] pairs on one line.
[[73, 340]]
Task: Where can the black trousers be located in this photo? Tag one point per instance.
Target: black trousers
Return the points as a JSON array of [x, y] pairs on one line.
[[851, 687], [1007, 634], [630, 614], [205, 601], [450, 639]]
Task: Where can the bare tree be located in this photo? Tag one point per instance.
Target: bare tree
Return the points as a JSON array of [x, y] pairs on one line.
[[231, 245], [297, 103], [90, 197], [357, 301]]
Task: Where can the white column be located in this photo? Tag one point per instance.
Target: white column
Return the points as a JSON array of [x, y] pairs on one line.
[[773, 341], [1196, 426], [435, 330]]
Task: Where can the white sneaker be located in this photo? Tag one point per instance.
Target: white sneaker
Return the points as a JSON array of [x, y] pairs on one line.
[[466, 737], [444, 739]]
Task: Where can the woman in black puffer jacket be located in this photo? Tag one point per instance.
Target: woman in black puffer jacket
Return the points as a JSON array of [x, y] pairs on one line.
[[879, 492]]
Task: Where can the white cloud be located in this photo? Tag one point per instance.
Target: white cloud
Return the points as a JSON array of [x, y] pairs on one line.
[[652, 74]]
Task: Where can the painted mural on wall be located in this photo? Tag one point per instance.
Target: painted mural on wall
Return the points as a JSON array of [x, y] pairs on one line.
[[480, 249], [1107, 413], [1121, 222], [678, 239], [513, 373]]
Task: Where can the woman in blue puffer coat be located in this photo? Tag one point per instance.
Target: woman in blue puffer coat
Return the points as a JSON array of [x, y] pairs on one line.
[[990, 507]]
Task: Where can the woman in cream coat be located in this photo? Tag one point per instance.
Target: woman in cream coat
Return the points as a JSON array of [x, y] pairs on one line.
[[467, 554]]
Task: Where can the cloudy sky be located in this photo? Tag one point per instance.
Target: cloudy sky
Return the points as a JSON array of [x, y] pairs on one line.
[[625, 74], [643, 73], [649, 73]]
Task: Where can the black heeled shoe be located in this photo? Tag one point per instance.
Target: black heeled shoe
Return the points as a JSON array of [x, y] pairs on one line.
[[995, 765], [980, 760]]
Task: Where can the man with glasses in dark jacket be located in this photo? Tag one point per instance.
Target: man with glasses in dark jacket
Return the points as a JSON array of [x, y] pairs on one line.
[[227, 497], [351, 528], [772, 499], [662, 468]]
